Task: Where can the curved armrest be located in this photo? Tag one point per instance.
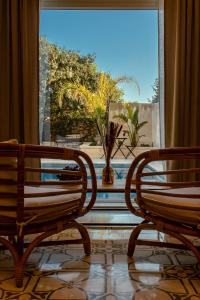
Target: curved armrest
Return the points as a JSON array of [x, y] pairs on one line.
[[130, 180], [92, 174]]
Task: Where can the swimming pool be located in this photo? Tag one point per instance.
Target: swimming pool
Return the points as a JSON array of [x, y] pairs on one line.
[[120, 172], [120, 169]]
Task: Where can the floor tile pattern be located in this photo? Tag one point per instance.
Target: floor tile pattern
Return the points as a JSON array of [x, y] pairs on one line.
[[63, 272]]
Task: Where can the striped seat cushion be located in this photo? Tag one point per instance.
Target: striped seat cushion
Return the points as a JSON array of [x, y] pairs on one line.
[[42, 207], [179, 209]]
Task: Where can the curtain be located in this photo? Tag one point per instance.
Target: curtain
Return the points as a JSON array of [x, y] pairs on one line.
[[19, 65], [182, 72], [182, 78]]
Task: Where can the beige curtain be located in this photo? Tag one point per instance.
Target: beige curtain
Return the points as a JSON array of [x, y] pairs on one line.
[[182, 78], [182, 72], [19, 65]]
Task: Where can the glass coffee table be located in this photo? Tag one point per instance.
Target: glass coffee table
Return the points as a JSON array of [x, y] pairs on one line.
[[110, 208]]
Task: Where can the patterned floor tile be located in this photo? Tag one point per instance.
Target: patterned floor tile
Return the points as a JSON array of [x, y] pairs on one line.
[[64, 272]]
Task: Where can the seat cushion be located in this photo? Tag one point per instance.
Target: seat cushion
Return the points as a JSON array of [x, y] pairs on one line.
[[43, 208], [175, 208]]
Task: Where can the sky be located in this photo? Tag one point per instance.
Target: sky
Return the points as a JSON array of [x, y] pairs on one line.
[[125, 42]]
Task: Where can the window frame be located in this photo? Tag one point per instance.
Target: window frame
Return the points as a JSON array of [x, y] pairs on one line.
[[99, 4], [109, 5]]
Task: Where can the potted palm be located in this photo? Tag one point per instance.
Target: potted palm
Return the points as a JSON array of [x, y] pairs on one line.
[[130, 116]]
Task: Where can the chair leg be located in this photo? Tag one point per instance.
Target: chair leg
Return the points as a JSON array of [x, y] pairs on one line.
[[85, 237], [134, 236], [187, 242], [19, 274], [136, 231], [10, 244]]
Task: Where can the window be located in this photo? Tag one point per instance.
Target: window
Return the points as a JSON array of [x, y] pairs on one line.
[[90, 54]]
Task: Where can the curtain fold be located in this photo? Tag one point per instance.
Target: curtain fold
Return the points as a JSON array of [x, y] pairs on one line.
[[19, 65], [182, 72], [182, 78]]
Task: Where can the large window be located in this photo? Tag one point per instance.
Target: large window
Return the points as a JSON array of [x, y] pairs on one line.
[[92, 59]]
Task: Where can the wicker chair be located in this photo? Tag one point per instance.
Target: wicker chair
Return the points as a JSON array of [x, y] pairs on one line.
[[168, 201], [40, 204]]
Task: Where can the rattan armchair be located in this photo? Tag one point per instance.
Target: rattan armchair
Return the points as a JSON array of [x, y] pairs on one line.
[[41, 205], [168, 201]]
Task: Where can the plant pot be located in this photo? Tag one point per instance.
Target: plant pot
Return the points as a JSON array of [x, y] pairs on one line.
[[107, 175]]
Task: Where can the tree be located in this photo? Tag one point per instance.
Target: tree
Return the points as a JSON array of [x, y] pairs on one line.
[[72, 90], [93, 100], [58, 66], [156, 88]]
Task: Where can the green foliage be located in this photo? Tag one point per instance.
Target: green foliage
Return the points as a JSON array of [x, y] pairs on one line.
[[71, 88], [130, 116], [58, 66], [156, 89], [92, 100]]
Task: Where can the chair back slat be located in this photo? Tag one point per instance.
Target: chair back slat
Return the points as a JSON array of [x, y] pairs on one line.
[[16, 168], [160, 179], [153, 173]]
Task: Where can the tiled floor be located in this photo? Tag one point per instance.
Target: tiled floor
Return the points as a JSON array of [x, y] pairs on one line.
[[63, 272]]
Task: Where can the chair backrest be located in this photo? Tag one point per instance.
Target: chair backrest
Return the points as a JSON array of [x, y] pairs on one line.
[[168, 181], [26, 167]]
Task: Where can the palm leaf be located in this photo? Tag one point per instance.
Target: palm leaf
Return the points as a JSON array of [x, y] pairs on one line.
[[140, 125], [122, 117]]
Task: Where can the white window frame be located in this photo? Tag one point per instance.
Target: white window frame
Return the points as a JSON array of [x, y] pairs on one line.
[[99, 4]]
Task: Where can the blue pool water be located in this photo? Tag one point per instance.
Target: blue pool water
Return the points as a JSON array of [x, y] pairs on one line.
[[120, 170]]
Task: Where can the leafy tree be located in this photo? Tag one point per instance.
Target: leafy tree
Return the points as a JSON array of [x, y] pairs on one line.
[[156, 88], [58, 66], [72, 91], [93, 100], [96, 103]]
